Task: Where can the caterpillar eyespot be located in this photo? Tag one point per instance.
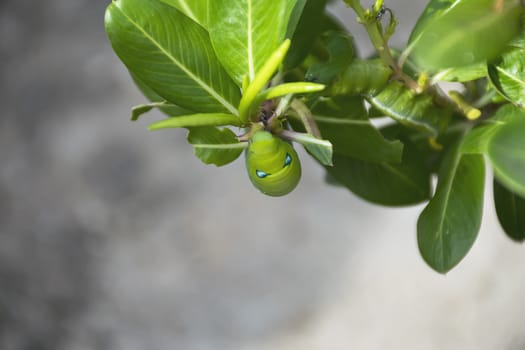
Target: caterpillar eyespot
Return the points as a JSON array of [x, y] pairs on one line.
[[272, 164]]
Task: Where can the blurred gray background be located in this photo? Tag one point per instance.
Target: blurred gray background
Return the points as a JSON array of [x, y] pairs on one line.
[[115, 238]]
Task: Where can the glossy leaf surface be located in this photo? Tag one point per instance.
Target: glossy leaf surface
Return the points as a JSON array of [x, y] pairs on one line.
[[184, 71], [244, 33], [362, 77], [477, 139], [510, 209], [192, 120], [156, 102], [215, 146], [449, 224], [457, 34], [461, 74], [506, 151], [384, 183], [410, 109], [195, 9], [345, 123], [508, 76]]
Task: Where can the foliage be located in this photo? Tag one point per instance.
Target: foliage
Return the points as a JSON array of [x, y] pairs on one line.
[[258, 76]]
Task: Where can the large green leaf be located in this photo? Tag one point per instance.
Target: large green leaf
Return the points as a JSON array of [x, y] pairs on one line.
[[304, 28], [245, 33], [464, 32], [215, 146], [511, 211], [362, 77], [461, 74], [449, 224], [171, 54], [197, 10], [156, 102], [345, 123], [408, 108], [477, 139], [508, 76], [384, 183], [341, 52], [506, 151]]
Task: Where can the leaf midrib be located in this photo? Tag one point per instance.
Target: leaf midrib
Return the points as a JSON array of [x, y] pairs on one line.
[[448, 191], [249, 24], [195, 78]]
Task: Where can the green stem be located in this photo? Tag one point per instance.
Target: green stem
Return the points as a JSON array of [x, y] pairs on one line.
[[378, 41], [306, 118]]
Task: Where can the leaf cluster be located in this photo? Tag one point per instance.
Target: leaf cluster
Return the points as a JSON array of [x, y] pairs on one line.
[[227, 69]]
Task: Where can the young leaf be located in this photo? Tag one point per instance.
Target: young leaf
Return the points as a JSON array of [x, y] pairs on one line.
[[449, 224], [385, 183], [249, 100], [244, 33], [287, 88], [171, 54], [344, 122], [506, 151], [510, 209], [192, 120], [408, 108], [487, 26], [508, 76], [194, 9], [215, 146]]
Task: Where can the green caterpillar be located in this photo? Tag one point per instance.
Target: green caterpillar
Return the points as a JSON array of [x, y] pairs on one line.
[[273, 165]]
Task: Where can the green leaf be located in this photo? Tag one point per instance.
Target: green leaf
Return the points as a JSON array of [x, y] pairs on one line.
[[487, 26], [362, 77], [156, 102], [416, 111], [249, 98], [341, 52], [171, 54], [449, 224], [506, 152], [508, 76], [345, 123], [139, 110], [215, 146], [385, 183], [304, 28], [510, 209], [244, 33], [296, 15], [462, 74], [318, 148], [477, 139], [287, 88], [195, 9], [193, 120]]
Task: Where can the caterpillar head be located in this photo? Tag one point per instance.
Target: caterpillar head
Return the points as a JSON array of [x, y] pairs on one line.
[[273, 165]]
